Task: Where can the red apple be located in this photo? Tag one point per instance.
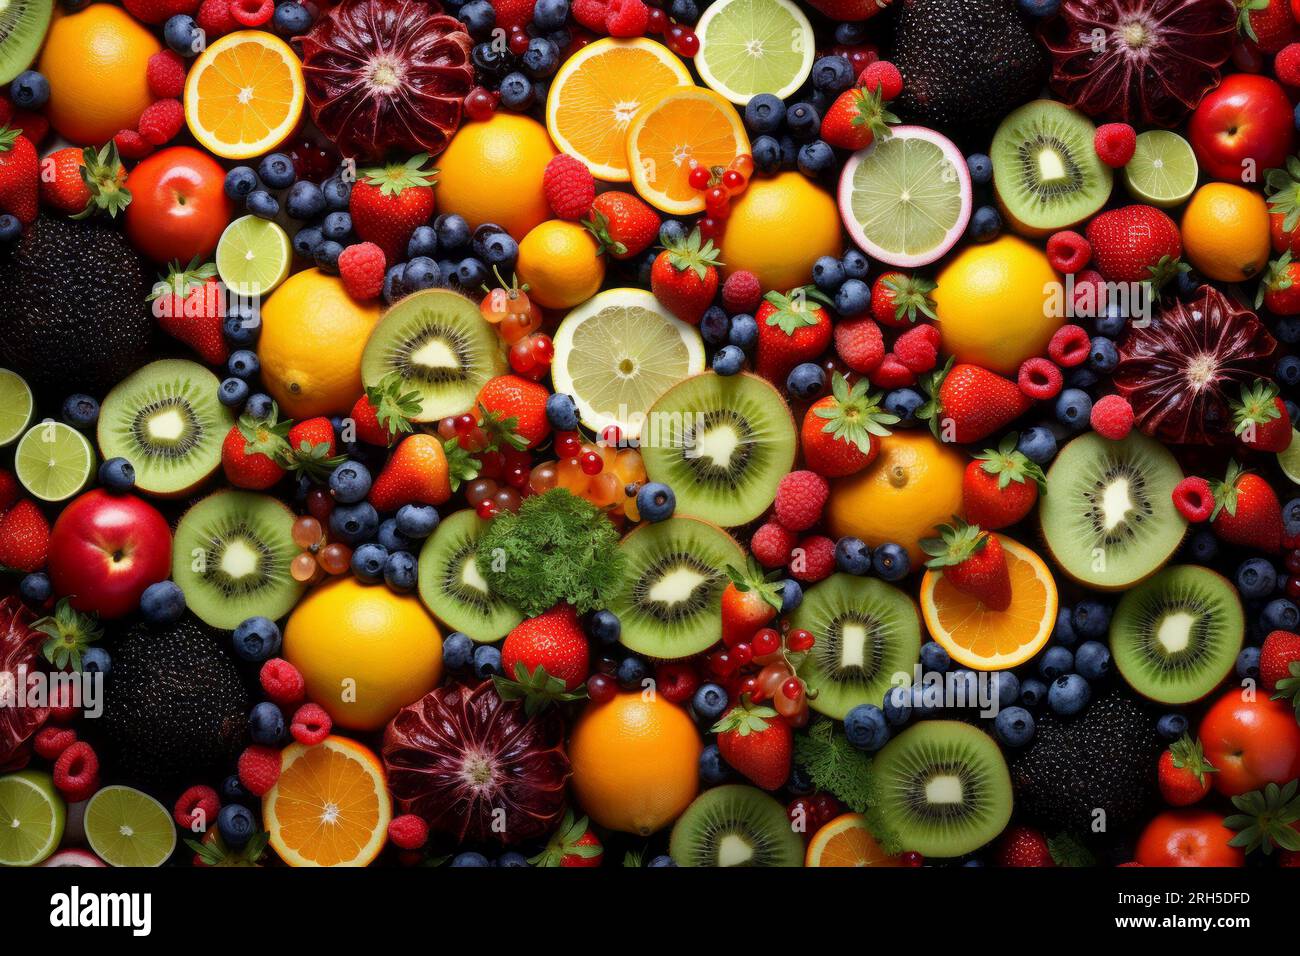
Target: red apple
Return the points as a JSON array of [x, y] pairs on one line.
[[179, 206], [1243, 127], [106, 549]]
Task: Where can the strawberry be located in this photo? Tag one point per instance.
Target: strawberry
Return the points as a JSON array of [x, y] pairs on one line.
[[1279, 651], [1000, 486], [623, 224], [388, 202], [190, 305], [856, 119], [574, 844], [420, 471], [311, 449], [81, 182], [513, 15], [849, 9], [18, 175], [1246, 511], [24, 537], [159, 11], [1182, 772], [10, 490], [1279, 289], [749, 602], [973, 562], [756, 741], [515, 407], [385, 411], [1263, 423], [969, 403], [1136, 243], [792, 328], [1023, 846], [897, 299], [254, 450], [684, 277], [553, 640], [1267, 23], [840, 432]]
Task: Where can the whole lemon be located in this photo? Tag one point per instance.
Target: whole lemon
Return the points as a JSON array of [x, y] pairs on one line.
[[364, 652], [998, 304], [1226, 232], [561, 263], [778, 228], [310, 347], [492, 172]]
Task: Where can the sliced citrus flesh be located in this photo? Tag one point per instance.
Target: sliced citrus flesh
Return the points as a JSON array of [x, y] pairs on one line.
[[598, 91], [244, 94], [126, 827], [846, 841], [53, 461], [330, 806], [1163, 170], [749, 47], [673, 133], [984, 639], [32, 816], [16, 406], [1289, 459], [253, 256]]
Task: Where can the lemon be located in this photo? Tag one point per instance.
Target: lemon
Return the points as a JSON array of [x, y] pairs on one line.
[[1225, 232], [778, 228], [561, 264], [998, 304], [492, 172], [32, 817], [310, 348]]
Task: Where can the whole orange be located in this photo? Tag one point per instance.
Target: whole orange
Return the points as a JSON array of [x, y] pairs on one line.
[[635, 762], [95, 62]]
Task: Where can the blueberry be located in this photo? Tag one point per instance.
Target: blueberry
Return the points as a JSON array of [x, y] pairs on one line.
[[713, 769], [802, 121], [981, 169], [1256, 578], [1279, 615], [421, 273], [1288, 329], [853, 556], [417, 522], [832, 74], [487, 661], [631, 671], [791, 595], [605, 627], [243, 364], [29, 90], [1288, 370], [684, 11], [1203, 546], [853, 298], [452, 231], [479, 18], [767, 154], [851, 33], [1063, 632], [897, 706], [256, 639], [276, 170], [865, 726], [259, 406], [661, 861], [511, 859], [394, 286], [1073, 407], [1171, 726], [1007, 686], [744, 331], [891, 562], [472, 274], [96, 660], [1104, 356], [1038, 444], [1040, 9], [181, 34], [904, 402], [764, 113], [828, 274], [542, 58], [305, 199], [423, 242], [306, 240], [1090, 619], [1032, 691], [1092, 660], [855, 265], [806, 380], [1014, 726], [337, 226], [292, 19], [162, 602], [516, 92], [117, 474], [35, 588], [1110, 324], [354, 524], [550, 14], [337, 192], [816, 158], [655, 501], [241, 327], [262, 204], [233, 791], [715, 324], [350, 482], [400, 571], [1068, 695], [985, 224], [368, 563], [457, 651], [80, 411], [392, 539], [1055, 662], [235, 823], [935, 658], [1080, 377], [1291, 516], [266, 724], [709, 702], [470, 858], [1248, 663], [482, 235], [11, 227]]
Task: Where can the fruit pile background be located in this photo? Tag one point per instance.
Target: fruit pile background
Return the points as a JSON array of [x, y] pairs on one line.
[[649, 432]]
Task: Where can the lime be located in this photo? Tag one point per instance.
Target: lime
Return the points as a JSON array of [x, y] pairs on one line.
[[53, 460], [1163, 169], [619, 351], [253, 256], [749, 47], [16, 406], [128, 828], [32, 815], [1289, 459]]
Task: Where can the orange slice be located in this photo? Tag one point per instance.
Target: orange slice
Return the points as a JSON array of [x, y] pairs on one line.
[[244, 94], [598, 91], [990, 640], [330, 806], [675, 131], [846, 841]]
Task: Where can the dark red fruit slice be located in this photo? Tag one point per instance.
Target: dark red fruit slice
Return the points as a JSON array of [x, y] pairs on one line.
[[20, 654]]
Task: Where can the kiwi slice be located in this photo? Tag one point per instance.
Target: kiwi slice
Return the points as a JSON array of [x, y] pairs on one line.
[[866, 632], [1045, 170], [670, 598], [442, 346], [451, 585], [166, 421], [722, 443], [944, 788], [1177, 636], [1108, 514], [22, 30], [735, 825], [231, 557]]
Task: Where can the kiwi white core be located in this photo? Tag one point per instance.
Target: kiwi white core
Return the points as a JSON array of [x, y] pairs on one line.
[[167, 426], [1175, 631], [677, 585], [1116, 503], [238, 560], [734, 850], [470, 575], [944, 789], [435, 354], [853, 645], [1050, 167], [718, 445]]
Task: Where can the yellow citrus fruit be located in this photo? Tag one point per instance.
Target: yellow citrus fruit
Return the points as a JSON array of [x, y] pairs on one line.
[[998, 304], [1225, 232], [95, 62], [912, 486], [597, 92], [680, 128], [561, 263], [365, 652], [635, 762], [846, 841], [244, 94], [330, 806], [310, 347], [492, 172], [758, 234], [990, 640]]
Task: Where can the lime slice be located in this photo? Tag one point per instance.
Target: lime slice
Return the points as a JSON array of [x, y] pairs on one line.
[[31, 818], [749, 47], [1163, 169], [53, 460], [16, 406], [253, 256], [906, 199], [619, 351], [128, 828], [1289, 459]]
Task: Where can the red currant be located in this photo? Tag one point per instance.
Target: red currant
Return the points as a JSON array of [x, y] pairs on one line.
[[465, 424], [743, 653], [480, 104], [319, 504], [912, 858], [656, 22], [734, 182], [568, 444], [800, 640], [611, 436], [793, 688], [601, 688], [518, 42], [710, 228], [1293, 562], [1293, 588], [766, 641], [747, 685], [699, 177], [591, 463], [722, 663], [486, 509], [686, 43], [543, 348]]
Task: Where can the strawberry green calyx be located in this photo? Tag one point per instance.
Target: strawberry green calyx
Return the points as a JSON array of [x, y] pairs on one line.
[[1266, 818], [1165, 271], [501, 430], [538, 689], [461, 465], [1225, 492], [745, 718], [932, 410], [393, 178], [394, 407], [69, 633], [693, 254], [1288, 688], [796, 309], [566, 842], [956, 542], [214, 852], [1187, 754], [1244, 10], [1276, 278], [871, 113], [313, 460], [8, 137], [267, 436], [912, 296], [1258, 405], [1010, 465], [598, 226], [856, 414], [753, 580], [1283, 189], [182, 280], [102, 172]]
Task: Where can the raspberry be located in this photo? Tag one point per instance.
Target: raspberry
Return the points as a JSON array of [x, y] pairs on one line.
[[1090, 295], [1115, 143], [1194, 499], [1069, 346], [282, 682], [161, 121], [310, 724], [259, 768], [800, 498], [197, 805], [627, 18], [131, 145], [590, 14], [771, 545], [813, 559], [1286, 65], [882, 74], [1039, 379], [569, 187], [1112, 417], [408, 832], [51, 741], [76, 772], [63, 706], [677, 681], [918, 348], [1068, 251], [741, 293], [859, 344], [361, 267], [165, 74], [891, 373], [214, 18], [252, 13]]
